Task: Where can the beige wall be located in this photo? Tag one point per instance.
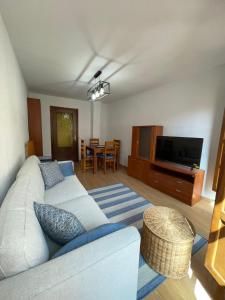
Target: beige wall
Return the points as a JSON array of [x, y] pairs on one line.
[[96, 119], [191, 108], [84, 116], [13, 113]]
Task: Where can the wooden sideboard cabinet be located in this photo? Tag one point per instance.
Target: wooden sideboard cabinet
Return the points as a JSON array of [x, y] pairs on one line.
[[180, 182]]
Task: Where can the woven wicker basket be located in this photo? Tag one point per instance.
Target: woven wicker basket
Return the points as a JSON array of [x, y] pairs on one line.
[[167, 239]]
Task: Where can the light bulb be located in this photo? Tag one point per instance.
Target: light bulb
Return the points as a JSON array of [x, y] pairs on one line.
[[102, 91], [93, 97], [97, 94]]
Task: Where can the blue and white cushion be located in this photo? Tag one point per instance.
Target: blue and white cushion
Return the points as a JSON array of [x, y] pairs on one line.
[[51, 174], [60, 225]]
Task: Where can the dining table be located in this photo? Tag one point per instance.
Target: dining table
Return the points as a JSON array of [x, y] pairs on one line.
[[96, 149]]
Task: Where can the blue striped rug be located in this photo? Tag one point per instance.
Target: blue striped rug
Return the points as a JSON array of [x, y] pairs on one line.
[[121, 204]]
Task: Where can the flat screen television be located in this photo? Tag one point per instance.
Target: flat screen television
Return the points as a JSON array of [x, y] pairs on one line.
[[181, 150]]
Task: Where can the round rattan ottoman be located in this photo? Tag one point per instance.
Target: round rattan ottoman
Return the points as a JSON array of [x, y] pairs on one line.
[[166, 241]]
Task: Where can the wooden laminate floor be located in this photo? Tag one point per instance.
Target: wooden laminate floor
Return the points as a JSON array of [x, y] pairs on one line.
[[198, 284]]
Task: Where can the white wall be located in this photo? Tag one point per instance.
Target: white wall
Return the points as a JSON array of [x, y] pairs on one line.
[[191, 108], [84, 117], [96, 119], [13, 113]]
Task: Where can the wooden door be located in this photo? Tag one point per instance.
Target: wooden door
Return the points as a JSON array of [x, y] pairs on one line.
[[214, 260], [64, 133], [215, 255], [34, 124], [219, 154]]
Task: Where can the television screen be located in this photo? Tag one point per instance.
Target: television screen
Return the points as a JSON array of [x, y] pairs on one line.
[[182, 150]]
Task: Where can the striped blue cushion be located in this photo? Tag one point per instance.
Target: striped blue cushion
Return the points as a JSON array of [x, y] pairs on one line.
[[103, 155], [88, 237]]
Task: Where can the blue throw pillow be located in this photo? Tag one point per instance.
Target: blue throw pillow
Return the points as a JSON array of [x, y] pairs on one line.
[[88, 237], [66, 168], [60, 225], [51, 174]]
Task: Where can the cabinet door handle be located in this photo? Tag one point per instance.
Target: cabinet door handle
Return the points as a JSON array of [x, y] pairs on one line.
[[178, 191], [178, 181]]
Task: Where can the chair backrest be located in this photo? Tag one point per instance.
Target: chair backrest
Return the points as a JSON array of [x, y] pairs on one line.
[[117, 145], [110, 147], [94, 141], [29, 148], [82, 149]]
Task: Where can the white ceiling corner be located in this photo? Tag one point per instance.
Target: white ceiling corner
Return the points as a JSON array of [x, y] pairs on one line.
[[136, 44]]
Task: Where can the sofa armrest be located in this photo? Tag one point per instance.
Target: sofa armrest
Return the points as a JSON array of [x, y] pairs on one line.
[[104, 269]]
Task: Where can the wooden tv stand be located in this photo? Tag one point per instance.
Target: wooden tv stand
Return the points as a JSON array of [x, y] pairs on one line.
[[178, 181]]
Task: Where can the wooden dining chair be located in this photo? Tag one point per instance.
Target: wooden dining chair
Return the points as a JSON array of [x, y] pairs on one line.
[[94, 141], [109, 155], [117, 147], [30, 148], [87, 159]]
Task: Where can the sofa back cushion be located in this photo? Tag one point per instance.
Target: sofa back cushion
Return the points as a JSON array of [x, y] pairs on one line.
[[31, 168], [22, 242]]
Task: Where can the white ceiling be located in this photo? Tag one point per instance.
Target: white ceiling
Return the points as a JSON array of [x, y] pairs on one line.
[[142, 44]]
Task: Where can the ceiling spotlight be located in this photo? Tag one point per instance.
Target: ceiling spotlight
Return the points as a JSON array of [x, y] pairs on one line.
[[93, 97], [97, 94], [100, 89]]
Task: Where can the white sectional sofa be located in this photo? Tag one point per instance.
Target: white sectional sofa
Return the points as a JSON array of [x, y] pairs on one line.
[[104, 269]]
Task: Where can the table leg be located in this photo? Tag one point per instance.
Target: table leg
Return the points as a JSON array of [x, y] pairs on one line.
[[95, 161]]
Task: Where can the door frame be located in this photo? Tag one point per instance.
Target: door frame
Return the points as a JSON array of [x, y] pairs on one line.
[[74, 110], [35, 124]]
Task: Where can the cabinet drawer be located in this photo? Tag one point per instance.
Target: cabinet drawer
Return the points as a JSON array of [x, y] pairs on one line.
[[180, 194], [158, 181], [171, 181], [180, 184], [175, 187], [138, 168]]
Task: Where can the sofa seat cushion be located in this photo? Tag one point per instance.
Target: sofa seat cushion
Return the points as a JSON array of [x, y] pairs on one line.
[[86, 210], [68, 189]]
